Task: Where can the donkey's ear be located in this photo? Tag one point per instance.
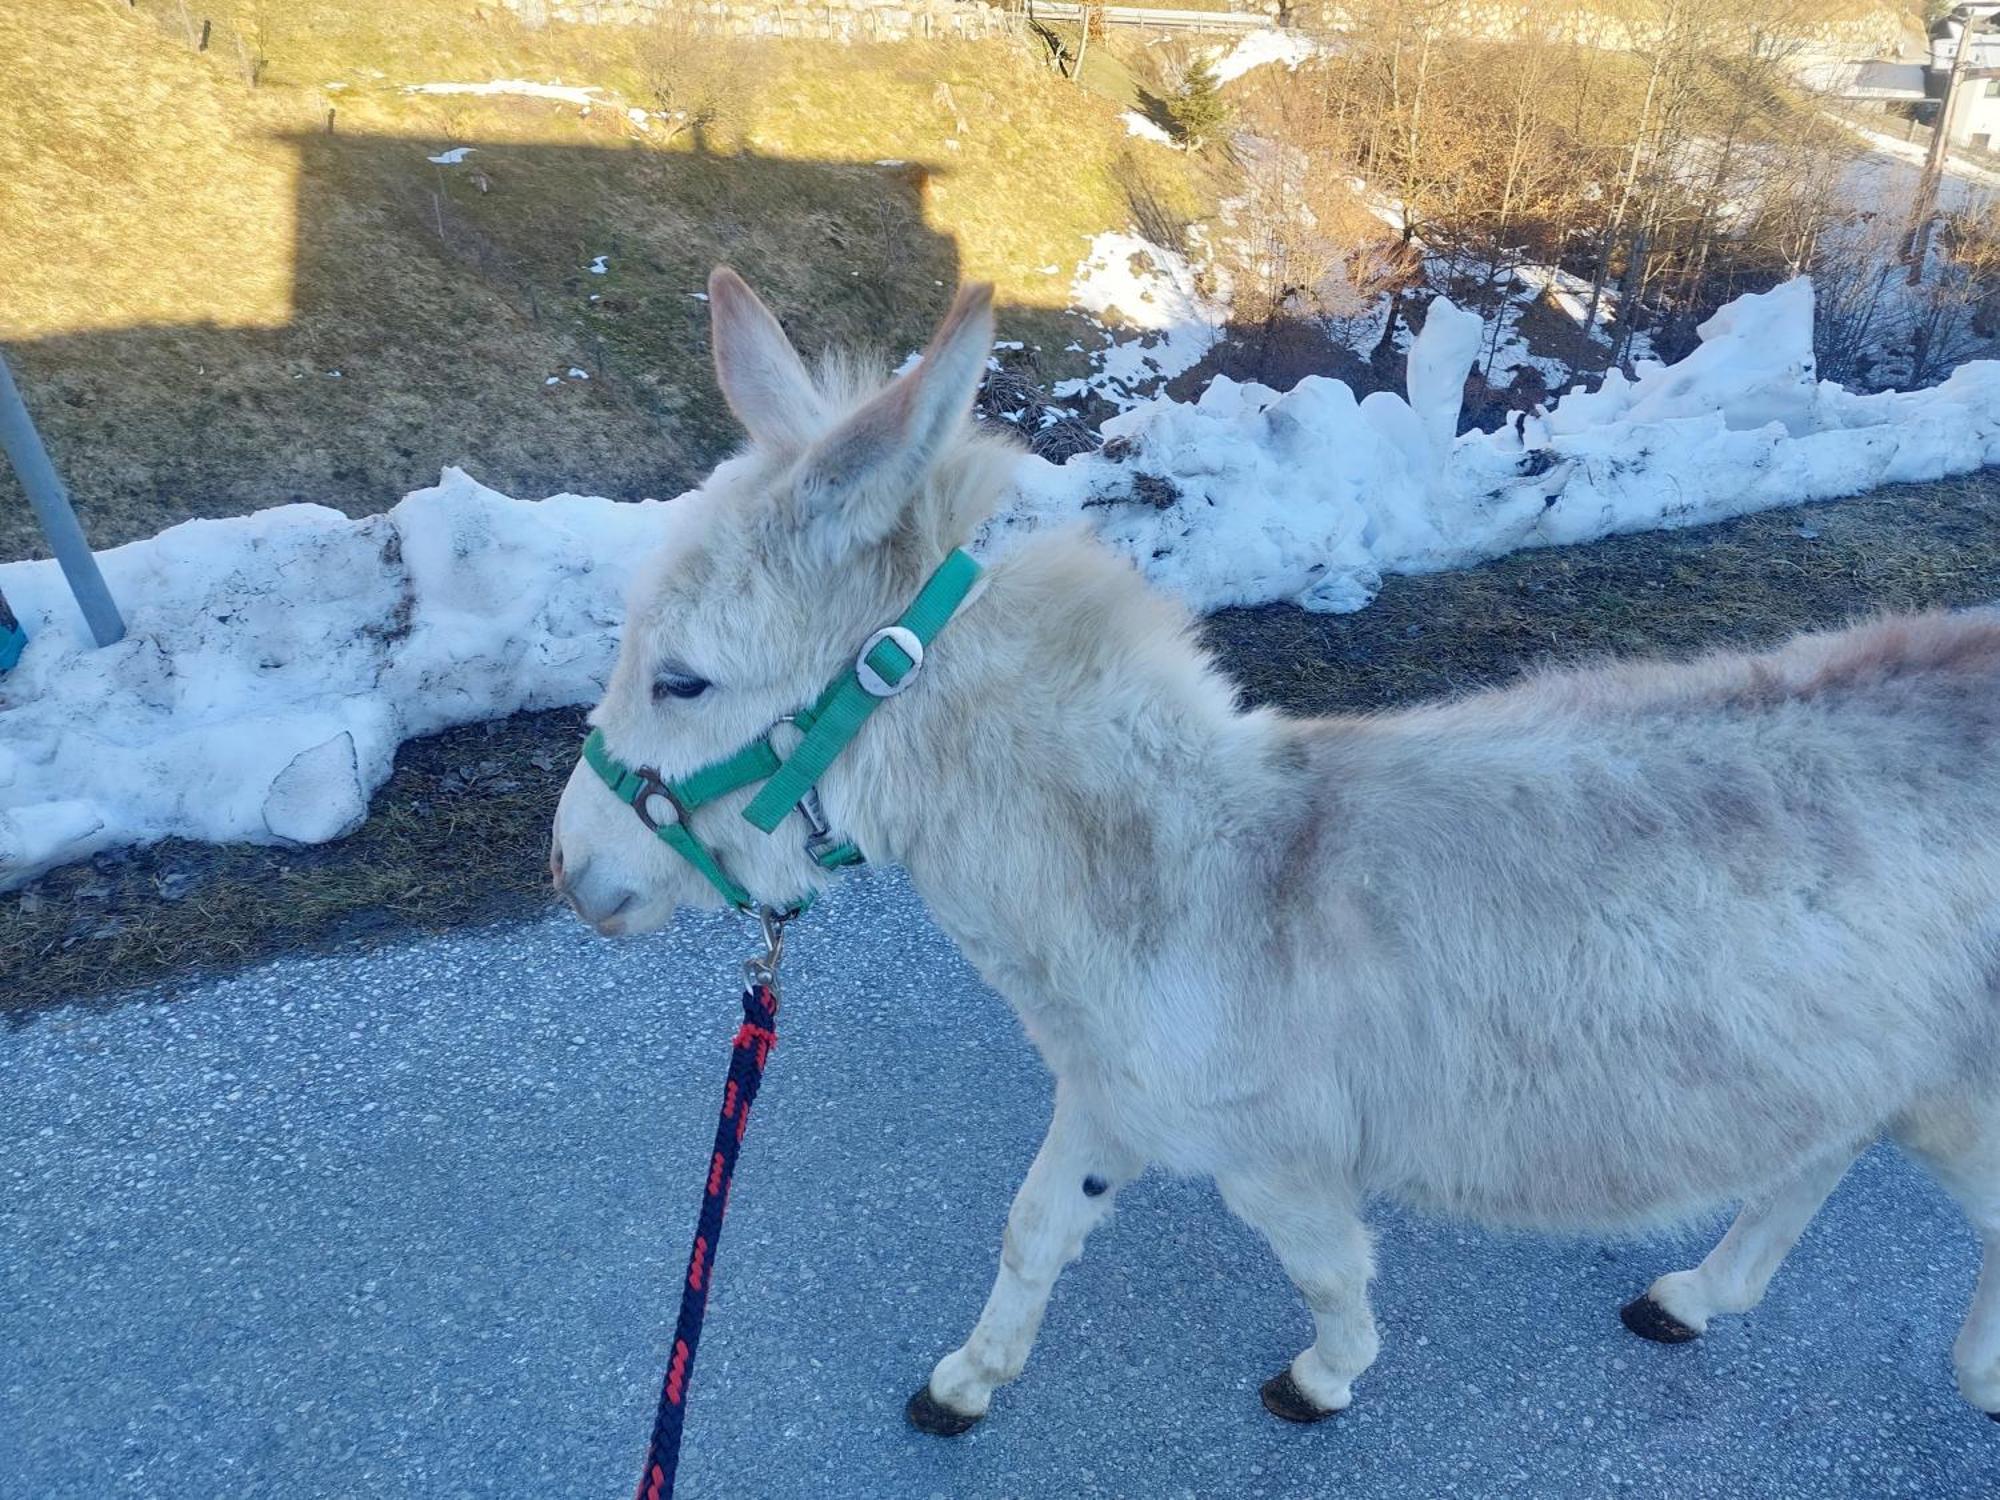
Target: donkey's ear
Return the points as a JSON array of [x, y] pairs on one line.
[[758, 369], [857, 481]]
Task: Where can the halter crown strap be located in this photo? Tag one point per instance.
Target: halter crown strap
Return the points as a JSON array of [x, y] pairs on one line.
[[883, 668]]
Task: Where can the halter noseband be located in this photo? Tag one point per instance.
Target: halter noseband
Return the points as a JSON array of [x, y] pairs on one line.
[[888, 662]]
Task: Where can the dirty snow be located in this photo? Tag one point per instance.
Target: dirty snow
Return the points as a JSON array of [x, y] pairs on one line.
[[276, 660], [1312, 496]]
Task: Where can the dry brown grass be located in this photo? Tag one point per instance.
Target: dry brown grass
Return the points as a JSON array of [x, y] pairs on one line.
[[184, 258]]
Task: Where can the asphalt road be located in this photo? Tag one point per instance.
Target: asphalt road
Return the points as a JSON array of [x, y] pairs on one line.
[[413, 1223]]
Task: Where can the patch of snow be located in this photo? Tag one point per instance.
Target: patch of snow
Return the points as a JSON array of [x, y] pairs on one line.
[[600, 264], [1961, 178], [452, 157], [1569, 292], [1258, 48], [519, 87], [553, 380], [577, 374], [1153, 294], [1137, 124]]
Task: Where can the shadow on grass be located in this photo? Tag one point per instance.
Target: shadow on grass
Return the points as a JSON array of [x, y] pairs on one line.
[[439, 310]]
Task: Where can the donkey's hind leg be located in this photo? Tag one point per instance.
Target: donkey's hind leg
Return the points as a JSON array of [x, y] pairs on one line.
[[1324, 1249], [1067, 1193], [1961, 1146], [1732, 1278]]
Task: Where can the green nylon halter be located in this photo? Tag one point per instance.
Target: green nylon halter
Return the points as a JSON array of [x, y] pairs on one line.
[[888, 662]]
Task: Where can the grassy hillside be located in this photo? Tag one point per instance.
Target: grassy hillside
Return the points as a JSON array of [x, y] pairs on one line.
[[193, 243]]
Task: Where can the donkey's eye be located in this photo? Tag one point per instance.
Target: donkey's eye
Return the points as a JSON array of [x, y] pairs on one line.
[[678, 685]]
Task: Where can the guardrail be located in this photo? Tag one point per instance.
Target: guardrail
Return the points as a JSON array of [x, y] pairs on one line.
[[1153, 18]]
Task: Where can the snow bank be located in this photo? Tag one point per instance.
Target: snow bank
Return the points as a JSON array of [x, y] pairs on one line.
[[1754, 366], [276, 661], [1248, 496]]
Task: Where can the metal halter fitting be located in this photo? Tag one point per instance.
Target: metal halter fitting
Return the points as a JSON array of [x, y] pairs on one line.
[[763, 969]]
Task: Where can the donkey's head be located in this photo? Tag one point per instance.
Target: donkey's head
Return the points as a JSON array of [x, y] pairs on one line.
[[775, 571]]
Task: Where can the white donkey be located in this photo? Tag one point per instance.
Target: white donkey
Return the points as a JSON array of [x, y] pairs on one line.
[[1593, 952]]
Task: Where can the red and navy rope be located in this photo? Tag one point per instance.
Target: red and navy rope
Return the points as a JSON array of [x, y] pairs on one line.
[[754, 1040]]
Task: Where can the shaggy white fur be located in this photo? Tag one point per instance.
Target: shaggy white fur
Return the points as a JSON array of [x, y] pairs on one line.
[[1596, 951]]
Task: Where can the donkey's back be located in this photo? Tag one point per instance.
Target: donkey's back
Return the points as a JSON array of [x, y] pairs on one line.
[[1621, 943]]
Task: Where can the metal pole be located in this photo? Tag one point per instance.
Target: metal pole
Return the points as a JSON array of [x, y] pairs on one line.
[[52, 509]]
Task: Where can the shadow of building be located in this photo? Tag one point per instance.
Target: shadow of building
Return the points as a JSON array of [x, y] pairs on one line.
[[448, 313]]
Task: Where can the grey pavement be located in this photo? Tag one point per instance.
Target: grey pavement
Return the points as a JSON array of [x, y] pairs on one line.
[[412, 1223]]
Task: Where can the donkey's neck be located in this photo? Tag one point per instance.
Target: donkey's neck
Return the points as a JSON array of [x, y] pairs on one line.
[[1069, 757]]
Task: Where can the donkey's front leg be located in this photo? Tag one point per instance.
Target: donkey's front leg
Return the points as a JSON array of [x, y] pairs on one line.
[[1324, 1248], [1067, 1193]]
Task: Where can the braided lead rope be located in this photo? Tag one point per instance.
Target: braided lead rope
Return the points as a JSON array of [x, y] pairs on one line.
[[754, 1040]]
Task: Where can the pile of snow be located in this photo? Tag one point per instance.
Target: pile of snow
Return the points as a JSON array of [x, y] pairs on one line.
[[1155, 296], [275, 661]]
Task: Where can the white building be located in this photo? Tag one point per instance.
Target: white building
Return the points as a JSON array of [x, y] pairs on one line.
[[1975, 114]]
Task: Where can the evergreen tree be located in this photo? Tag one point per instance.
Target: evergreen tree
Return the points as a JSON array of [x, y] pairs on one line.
[[1197, 109]]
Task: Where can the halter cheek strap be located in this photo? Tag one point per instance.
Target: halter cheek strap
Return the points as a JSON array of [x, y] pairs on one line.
[[887, 663]]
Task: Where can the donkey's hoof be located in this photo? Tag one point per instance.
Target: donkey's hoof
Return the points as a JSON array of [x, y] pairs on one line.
[[1649, 1320], [928, 1414], [1283, 1398]]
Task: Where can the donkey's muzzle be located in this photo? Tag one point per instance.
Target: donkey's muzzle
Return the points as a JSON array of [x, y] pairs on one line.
[[599, 901]]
